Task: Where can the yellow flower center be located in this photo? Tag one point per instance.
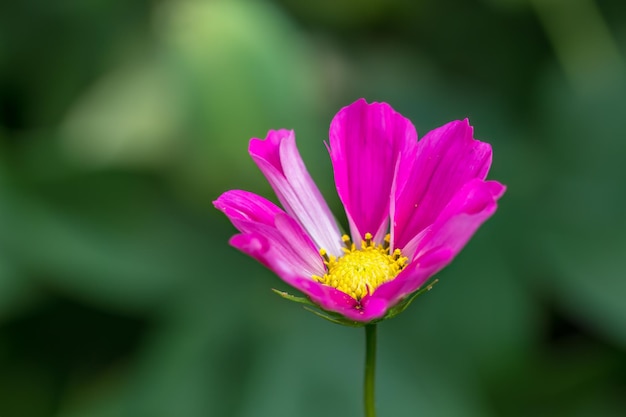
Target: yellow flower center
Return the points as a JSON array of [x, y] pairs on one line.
[[360, 271]]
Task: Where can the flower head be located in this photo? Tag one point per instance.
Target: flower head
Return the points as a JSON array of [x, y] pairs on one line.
[[411, 206]]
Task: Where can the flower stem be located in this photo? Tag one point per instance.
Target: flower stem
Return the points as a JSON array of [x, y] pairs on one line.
[[370, 370]]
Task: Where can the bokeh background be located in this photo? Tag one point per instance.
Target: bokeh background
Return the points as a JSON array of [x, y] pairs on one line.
[[121, 121]]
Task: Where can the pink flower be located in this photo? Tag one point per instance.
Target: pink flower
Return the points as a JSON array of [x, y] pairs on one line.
[[411, 206]]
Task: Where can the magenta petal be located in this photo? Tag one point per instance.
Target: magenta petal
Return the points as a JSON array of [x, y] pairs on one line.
[[281, 244], [268, 252], [252, 214], [447, 158], [278, 158], [326, 297], [367, 144], [433, 249], [254, 245], [270, 235], [331, 299], [292, 272], [243, 207], [284, 248], [373, 308], [473, 204], [413, 276]]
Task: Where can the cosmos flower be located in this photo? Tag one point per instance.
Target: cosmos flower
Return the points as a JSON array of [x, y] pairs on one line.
[[411, 207]]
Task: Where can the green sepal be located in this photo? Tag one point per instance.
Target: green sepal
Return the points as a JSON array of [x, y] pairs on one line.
[[295, 299], [337, 319], [399, 308]]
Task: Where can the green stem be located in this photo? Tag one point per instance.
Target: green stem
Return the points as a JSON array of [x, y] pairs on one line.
[[370, 370]]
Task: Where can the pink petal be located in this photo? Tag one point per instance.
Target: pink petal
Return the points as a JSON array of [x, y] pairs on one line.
[[280, 243], [270, 235], [243, 207], [368, 142], [447, 158], [331, 299], [278, 158], [327, 297], [373, 308], [267, 247], [413, 276], [472, 205], [270, 252]]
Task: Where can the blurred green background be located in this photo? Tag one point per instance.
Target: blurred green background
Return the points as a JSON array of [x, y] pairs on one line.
[[121, 121]]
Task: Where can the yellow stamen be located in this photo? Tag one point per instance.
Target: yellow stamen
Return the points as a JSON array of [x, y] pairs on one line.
[[347, 242], [387, 241], [360, 271]]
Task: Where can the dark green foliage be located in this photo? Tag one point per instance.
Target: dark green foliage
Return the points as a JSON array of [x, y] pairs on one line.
[[120, 122]]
